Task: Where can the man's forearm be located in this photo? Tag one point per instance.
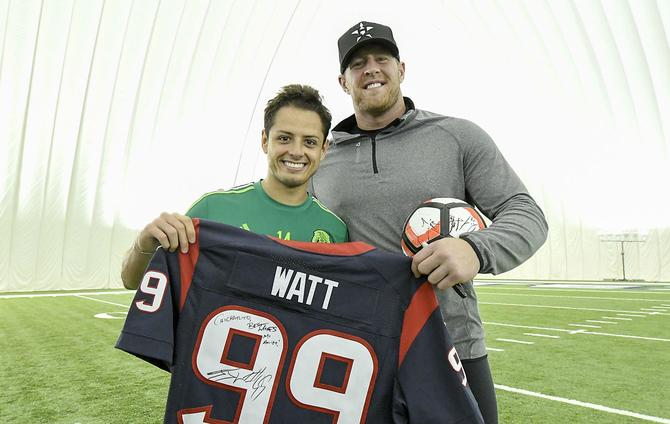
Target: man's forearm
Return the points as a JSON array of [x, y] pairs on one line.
[[516, 233], [134, 264]]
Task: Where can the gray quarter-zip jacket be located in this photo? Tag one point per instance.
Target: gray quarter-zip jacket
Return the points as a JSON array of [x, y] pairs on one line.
[[373, 182]]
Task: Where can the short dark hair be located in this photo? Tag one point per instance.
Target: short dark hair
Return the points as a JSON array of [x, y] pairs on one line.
[[301, 97]]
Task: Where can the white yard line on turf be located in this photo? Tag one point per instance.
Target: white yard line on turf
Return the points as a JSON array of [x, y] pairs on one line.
[[489, 290], [103, 301], [563, 307], [495, 349], [15, 296], [633, 315], [580, 331], [585, 325], [582, 286], [515, 341], [542, 335], [601, 322], [584, 404], [627, 336], [619, 318]]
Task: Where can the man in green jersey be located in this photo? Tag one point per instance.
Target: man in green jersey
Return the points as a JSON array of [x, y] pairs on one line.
[[294, 140]]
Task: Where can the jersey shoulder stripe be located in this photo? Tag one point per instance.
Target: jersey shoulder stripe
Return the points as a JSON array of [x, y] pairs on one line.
[[187, 263], [244, 188], [325, 209], [421, 307]]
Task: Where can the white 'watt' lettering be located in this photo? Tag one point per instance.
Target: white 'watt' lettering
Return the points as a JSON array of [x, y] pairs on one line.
[[290, 284]]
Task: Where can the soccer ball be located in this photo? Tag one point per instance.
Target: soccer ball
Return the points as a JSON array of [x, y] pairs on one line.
[[438, 218]]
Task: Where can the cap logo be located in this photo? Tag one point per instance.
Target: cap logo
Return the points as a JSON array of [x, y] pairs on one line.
[[362, 31]]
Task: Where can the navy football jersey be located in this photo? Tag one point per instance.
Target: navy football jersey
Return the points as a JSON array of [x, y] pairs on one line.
[[259, 330]]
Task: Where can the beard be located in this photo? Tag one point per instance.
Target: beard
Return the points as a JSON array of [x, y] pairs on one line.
[[378, 105]]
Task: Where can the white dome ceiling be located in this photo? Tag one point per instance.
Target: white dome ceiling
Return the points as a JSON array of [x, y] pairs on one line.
[[112, 111]]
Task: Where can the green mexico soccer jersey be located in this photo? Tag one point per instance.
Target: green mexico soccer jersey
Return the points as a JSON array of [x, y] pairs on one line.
[[250, 208]]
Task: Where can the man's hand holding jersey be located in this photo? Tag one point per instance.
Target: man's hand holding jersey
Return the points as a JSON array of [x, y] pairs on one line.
[[172, 231], [446, 262], [169, 230]]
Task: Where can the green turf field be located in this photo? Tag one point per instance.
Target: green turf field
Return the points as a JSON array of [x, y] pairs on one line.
[[559, 355]]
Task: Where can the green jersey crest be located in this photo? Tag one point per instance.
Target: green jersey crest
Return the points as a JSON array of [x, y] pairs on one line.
[[320, 236]]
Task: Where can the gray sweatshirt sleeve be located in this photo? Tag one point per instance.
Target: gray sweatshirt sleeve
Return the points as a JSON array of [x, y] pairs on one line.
[[518, 226]]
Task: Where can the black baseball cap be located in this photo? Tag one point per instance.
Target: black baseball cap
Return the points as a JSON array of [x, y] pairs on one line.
[[362, 34]]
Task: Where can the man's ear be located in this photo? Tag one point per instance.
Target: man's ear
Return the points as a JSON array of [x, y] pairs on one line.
[[401, 69], [324, 149], [264, 141], [343, 83]]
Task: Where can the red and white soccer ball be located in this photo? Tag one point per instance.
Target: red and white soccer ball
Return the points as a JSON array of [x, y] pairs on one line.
[[438, 218]]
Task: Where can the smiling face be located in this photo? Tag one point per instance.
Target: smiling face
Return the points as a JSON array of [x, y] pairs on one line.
[[372, 79], [294, 145]]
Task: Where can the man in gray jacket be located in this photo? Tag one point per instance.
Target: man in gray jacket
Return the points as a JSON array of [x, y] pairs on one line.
[[388, 157]]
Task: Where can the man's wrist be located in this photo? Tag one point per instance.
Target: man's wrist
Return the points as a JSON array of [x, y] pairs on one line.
[[138, 249], [476, 250]]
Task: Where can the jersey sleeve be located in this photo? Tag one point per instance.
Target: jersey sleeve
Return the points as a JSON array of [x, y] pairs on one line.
[[431, 384], [148, 332]]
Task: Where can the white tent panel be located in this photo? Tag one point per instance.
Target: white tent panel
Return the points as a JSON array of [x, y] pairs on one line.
[[113, 111]]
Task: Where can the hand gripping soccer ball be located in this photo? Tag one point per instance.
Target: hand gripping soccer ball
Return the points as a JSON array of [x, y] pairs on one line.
[[438, 218]]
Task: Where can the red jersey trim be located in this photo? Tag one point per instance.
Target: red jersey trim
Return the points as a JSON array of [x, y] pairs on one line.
[[420, 308], [206, 419], [187, 263], [335, 249]]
